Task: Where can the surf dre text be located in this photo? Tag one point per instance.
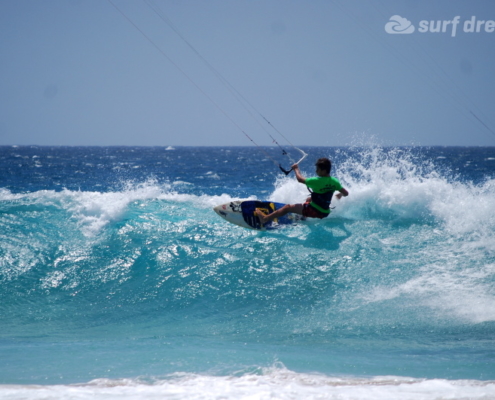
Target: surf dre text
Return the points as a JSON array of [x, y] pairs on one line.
[[400, 25]]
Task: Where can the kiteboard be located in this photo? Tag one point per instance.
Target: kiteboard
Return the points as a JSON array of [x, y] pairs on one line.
[[241, 212]]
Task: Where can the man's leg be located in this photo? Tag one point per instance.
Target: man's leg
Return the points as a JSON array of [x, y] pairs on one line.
[[288, 208]]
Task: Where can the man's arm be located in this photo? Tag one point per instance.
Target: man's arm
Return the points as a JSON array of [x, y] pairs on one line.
[[299, 176], [342, 192]]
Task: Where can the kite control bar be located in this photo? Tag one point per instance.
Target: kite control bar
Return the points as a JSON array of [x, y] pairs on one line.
[[287, 172]]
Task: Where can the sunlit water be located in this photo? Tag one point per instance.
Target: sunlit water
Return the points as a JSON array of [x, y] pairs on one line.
[[119, 281]]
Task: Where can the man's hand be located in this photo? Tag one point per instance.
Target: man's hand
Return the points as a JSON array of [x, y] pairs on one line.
[[342, 192], [299, 176]]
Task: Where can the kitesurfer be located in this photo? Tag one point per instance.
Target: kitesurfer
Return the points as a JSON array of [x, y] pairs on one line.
[[322, 188]]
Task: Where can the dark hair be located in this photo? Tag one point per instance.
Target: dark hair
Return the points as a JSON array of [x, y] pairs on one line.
[[324, 164]]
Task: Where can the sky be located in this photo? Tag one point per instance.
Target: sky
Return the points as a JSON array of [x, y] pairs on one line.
[[212, 73]]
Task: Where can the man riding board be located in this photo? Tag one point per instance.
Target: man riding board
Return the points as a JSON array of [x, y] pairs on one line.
[[322, 188]]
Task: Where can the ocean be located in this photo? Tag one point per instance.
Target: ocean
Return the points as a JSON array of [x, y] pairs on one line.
[[118, 280]]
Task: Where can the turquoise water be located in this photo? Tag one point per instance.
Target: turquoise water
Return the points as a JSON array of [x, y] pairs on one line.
[[118, 279]]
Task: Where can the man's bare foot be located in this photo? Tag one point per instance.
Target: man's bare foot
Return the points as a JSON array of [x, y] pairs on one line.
[[261, 215]]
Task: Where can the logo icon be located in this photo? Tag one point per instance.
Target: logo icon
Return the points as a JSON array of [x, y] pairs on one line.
[[400, 25]]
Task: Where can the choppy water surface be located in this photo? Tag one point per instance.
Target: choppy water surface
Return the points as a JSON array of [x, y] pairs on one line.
[[119, 281]]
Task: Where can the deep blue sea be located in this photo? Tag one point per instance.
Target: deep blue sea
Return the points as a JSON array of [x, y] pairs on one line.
[[118, 280]]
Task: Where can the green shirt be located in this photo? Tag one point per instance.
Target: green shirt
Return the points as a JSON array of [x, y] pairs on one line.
[[322, 184]]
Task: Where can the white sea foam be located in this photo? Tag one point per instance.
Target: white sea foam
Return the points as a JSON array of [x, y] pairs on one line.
[[92, 210], [465, 292], [289, 191], [455, 230], [399, 187], [273, 383]]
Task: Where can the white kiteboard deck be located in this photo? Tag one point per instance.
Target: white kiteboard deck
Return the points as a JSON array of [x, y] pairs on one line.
[[241, 212]]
